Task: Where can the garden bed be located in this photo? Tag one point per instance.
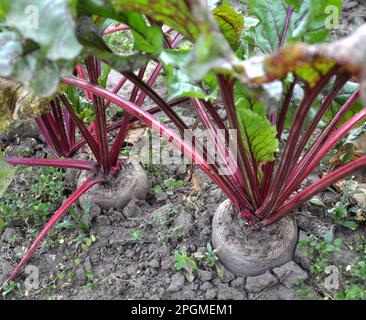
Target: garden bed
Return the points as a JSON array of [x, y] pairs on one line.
[[161, 248]]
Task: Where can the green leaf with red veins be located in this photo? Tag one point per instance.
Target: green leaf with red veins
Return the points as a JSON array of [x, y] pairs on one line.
[[245, 100], [230, 22], [174, 13], [258, 135], [311, 22]]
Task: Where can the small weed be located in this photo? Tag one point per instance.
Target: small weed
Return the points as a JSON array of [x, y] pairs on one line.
[[183, 261], [158, 189], [168, 233], [91, 285], [192, 203], [135, 235], [76, 222], [351, 278], [172, 185], [9, 288], [344, 211], [84, 241], [210, 260], [320, 252], [37, 203]]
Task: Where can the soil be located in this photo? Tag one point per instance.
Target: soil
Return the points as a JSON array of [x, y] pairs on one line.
[[123, 264]]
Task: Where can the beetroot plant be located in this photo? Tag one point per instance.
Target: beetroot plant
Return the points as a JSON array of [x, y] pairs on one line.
[[61, 120], [258, 94]]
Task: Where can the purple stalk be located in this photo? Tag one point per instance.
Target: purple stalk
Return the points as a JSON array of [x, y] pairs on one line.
[[313, 189], [215, 116], [116, 89], [223, 151], [93, 67], [59, 119], [46, 135], [284, 110], [269, 167], [321, 139], [305, 169], [83, 129], [53, 131], [220, 125], [117, 124], [122, 133], [71, 129], [273, 115], [158, 100], [288, 160], [57, 163], [81, 73], [339, 83], [287, 24]]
